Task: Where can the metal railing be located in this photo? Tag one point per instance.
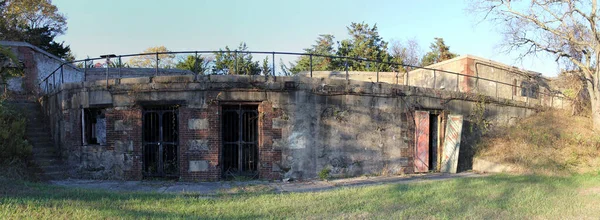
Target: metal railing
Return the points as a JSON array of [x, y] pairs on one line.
[[54, 80]]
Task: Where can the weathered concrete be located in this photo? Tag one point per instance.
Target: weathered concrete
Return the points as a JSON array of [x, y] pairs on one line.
[[511, 79], [349, 127], [384, 77], [38, 64]]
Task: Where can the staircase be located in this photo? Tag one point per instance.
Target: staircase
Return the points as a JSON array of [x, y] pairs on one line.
[[45, 154]]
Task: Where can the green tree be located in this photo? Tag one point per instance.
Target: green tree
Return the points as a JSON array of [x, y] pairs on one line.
[[364, 43], [439, 52], [237, 61], [9, 64], [195, 63], [324, 46], [34, 21], [266, 68]]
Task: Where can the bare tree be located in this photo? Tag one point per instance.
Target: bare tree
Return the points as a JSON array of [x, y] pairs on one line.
[[565, 29], [406, 52]]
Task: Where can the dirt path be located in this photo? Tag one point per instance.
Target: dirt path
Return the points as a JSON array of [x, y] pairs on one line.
[[210, 188]]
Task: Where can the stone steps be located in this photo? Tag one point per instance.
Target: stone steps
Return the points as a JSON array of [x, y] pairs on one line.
[[45, 154]]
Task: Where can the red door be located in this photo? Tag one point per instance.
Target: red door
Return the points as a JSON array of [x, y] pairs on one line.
[[421, 141]]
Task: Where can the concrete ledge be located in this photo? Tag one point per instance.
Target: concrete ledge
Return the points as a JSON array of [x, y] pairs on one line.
[[173, 79], [140, 80], [111, 82]]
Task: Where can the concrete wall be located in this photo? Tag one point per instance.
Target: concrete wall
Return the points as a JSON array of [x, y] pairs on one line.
[[384, 77], [38, 64], [350, 127], [468, 65], [93, 74]]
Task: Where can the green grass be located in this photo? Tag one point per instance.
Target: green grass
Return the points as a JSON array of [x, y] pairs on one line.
[[498, 197]]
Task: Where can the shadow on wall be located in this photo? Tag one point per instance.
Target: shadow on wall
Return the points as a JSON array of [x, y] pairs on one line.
[[472, 134]]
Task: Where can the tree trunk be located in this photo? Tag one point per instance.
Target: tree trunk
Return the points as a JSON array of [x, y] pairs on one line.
[[595, 99]]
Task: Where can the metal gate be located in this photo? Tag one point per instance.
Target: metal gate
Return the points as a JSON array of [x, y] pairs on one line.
[[240, 141], [160, 141]]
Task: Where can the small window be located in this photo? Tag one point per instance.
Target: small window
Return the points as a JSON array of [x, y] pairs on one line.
[[94, 124], [524, 88], [514, 87], [529, 89], [533, 91]]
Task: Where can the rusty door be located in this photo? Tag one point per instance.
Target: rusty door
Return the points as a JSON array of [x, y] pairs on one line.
[[421, 141]]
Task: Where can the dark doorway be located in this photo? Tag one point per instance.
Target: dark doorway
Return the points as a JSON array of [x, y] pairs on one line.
[[433, 141], [160, 141], [240, 141]]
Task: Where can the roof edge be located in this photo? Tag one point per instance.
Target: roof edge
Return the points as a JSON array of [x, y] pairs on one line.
[[37, 49]]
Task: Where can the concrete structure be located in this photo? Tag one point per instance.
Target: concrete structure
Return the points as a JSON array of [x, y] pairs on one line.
[[304, 125], [139, 123], [503, 81], [38, 64]]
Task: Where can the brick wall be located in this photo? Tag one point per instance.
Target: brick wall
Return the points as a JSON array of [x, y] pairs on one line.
[[124, 129], [200, 142], [268, 155]]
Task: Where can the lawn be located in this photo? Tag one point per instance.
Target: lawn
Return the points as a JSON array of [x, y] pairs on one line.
[[497, 196]]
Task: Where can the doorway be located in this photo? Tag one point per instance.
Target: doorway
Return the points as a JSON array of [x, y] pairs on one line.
[[239, 127], [428, 140], [160, 141]]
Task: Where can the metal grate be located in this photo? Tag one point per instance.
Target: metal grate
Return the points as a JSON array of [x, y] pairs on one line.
[[240, 141], [160, 141]]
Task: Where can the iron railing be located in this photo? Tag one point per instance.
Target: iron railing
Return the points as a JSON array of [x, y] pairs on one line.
[[53, 85]]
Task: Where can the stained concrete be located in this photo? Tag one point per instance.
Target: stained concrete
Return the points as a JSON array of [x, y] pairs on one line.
[[351, 128]]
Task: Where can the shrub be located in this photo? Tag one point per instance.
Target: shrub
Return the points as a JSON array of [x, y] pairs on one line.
[[12, 134], [324, 173]]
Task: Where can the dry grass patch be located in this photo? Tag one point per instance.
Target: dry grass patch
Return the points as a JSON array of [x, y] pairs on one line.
[[550, 143]]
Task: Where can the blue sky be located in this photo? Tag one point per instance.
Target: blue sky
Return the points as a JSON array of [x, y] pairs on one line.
[[123, 27]]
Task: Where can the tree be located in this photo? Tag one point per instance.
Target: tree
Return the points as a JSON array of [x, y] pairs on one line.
[[567, 30], [408, 53], [439, 52], [165, 60], [266, 68], [237, 62], [195, 63], [365, 43], [34, 21], [9, 64], [324, 46]]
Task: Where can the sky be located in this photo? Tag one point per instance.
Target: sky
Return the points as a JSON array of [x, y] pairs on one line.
[[125, 27]]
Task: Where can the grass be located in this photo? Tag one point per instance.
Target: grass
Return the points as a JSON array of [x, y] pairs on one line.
[[548, 143], [498, 197]]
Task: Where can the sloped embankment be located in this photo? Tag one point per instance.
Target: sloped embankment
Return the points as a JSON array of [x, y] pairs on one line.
[[550, 143]]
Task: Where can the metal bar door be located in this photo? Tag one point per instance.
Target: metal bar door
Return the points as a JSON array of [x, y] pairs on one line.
[[240, 140], [160, 142]]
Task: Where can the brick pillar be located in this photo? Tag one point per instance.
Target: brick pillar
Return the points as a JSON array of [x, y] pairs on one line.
[[268, 155], [124, 135], [199, 143]]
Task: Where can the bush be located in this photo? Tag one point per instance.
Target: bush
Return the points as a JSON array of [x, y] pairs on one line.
[[324, 174], [13, 145]]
